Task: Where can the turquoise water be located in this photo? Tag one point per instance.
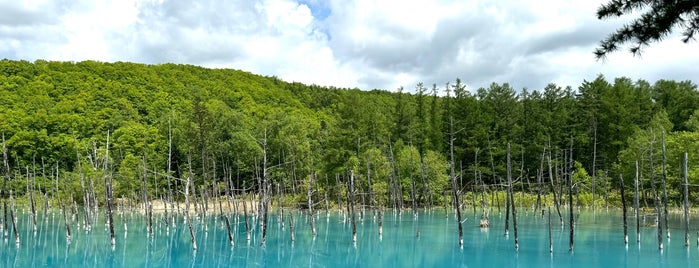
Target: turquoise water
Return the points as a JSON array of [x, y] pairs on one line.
[[598, 243]]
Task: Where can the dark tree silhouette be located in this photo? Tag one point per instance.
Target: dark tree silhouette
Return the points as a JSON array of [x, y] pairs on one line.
[[658, 20]]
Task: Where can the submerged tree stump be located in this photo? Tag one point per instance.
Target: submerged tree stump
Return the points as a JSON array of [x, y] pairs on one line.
[[623, 209]]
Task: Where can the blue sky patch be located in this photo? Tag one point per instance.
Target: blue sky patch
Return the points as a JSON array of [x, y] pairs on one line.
[[319, 8]]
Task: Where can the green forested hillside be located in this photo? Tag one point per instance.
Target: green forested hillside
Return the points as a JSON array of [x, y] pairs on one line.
[[221, 122]]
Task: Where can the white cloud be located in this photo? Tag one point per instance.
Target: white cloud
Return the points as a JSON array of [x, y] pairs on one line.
[[284, 15], [361, 43]]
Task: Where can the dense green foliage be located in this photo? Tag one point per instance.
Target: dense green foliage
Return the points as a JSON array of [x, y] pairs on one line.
[[54, 114]]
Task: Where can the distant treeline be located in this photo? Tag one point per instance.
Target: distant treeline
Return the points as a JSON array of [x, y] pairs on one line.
[[220, 122]]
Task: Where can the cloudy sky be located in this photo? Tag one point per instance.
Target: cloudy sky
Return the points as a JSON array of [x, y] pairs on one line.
[[367, 44]]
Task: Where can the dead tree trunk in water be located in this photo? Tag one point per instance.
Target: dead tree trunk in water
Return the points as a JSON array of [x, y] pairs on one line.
[[485, 221], [166, 219], [372, 201], [86, 197], [31, 196], [656, 197], [4, 222], [327, 201], [539, 178], [310, 200], [267, 187], [186, 204], [339, 193], [508, 201], [265, 211], [686, 201], [594, 163], [556, 198], [453, 181], [5, 178], [377, 210], [46, 205], [291, 225], [550, 236], [228, 227], [14, 219], [351, 197], [413, 193], [521, 178], [168, 171], [144, 189], [475, 182], [245, 213], [570, 193], [203, 203], [396, 191], [635, 207], [107, 192], [380, 212], [623, 209], [659, 222], [65, 219], [511, 196], [667, 228]]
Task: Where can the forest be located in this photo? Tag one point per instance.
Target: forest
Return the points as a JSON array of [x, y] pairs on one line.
[[66, 124]]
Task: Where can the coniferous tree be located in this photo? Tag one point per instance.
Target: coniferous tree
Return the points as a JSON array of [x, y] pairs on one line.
[[657, 21]]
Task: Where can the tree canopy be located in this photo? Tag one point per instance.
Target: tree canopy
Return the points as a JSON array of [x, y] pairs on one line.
[[224, 123]]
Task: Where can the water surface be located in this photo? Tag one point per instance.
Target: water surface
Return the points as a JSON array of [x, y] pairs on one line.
[[599, 242]]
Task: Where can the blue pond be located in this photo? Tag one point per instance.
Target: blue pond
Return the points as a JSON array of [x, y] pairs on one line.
[[599, 242]]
